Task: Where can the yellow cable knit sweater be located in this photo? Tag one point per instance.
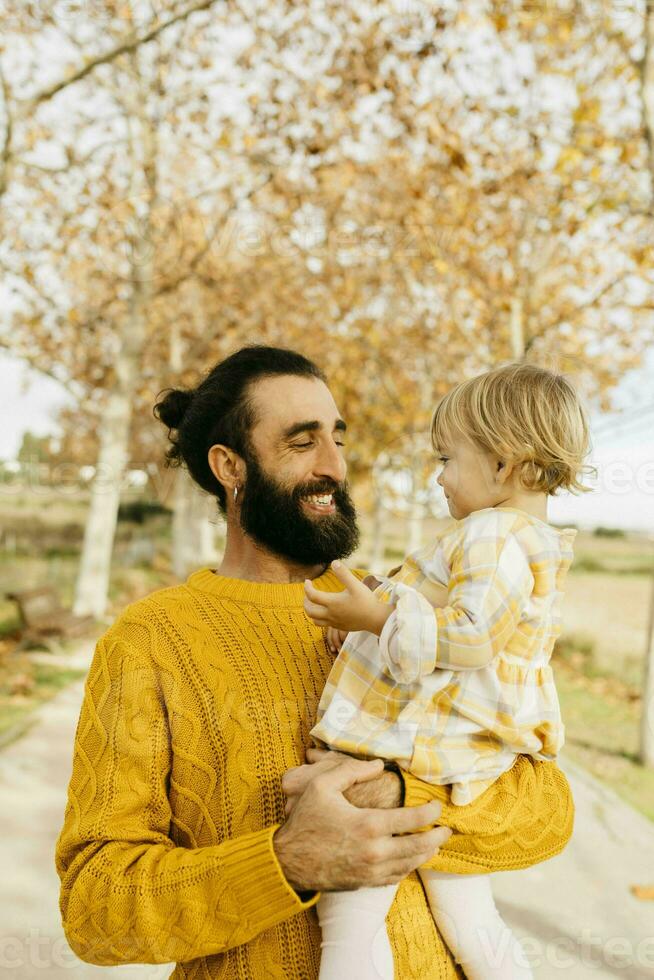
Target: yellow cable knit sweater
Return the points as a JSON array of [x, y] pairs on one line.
[[199, 697]]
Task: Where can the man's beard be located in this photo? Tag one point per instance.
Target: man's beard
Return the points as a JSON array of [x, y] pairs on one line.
[[274, 517]]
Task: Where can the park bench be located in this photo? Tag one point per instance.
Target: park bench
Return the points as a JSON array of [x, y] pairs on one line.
[[44, 617]]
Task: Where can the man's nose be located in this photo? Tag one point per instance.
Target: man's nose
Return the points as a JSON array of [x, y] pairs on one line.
[[330, 463]]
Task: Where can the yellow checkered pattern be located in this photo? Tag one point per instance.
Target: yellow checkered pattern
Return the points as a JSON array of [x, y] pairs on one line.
[[460, 682]]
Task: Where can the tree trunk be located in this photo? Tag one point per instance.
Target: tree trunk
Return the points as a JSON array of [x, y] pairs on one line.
[[194, 534], [178, 557], [93, 577], [647, 715], [92, 587]]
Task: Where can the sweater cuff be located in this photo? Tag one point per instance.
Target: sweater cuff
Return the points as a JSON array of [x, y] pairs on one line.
[[256, 879]]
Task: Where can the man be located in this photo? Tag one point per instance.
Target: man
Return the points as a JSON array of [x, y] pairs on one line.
[[196, 716]]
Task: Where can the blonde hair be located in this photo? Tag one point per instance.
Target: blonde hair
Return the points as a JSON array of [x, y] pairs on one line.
[[523, 414]]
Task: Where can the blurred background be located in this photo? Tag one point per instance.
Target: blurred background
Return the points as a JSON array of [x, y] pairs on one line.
[[409, 193]]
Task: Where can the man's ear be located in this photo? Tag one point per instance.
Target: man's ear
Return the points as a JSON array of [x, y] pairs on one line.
[[227, 467]]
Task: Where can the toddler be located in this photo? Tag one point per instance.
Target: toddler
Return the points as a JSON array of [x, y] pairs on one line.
[[445, 668]]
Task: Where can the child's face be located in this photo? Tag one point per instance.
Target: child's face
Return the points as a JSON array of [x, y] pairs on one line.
[[468, 477]]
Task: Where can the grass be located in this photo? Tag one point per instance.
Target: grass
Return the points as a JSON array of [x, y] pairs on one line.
[[601, 711], [24, 686], [602, 736], [626, 554], [611, 611]]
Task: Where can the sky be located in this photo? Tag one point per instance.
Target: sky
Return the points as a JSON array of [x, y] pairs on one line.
[[623, 441]]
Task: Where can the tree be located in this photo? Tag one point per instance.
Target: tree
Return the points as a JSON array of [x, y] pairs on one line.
[[131, 238], [34, 449], [17, 19], [341, 182]]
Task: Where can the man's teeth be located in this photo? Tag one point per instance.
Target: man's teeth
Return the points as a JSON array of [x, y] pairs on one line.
[[323, 500]]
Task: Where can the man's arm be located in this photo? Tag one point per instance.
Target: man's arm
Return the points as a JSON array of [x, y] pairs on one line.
[[525, 817], [489, 588], [330, 844], [129, 894]]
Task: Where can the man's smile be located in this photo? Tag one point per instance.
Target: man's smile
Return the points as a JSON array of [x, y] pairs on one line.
[[320, 503]]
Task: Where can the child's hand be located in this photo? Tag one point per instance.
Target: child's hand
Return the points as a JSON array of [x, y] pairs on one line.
[[355, 608], [335, 639]]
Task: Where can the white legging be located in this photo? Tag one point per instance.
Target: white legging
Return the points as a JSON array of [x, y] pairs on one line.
[[355, 942]]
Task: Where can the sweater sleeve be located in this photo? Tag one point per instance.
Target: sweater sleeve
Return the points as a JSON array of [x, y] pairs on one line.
[[490, 584], [129, 894]]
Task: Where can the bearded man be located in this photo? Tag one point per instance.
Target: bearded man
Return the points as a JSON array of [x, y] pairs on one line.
[[196, 719]]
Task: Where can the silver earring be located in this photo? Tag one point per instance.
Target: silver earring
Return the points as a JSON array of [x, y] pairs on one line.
[[235, 493]]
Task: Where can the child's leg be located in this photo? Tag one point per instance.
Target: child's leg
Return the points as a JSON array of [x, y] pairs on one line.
[[467, 919], [354, 938]]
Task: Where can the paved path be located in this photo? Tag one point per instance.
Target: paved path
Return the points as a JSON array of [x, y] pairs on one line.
[[575, 913]]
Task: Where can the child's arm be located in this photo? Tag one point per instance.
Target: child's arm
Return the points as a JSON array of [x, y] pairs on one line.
[[490, 584]]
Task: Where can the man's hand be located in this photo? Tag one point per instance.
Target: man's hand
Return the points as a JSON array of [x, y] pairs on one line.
[[355, 608], [380, 793], [327, 844]]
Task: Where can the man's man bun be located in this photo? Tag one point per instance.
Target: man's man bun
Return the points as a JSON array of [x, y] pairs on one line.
[[172, 408]]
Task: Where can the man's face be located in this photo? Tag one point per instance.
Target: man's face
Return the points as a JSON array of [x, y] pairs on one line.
[[295, 500]]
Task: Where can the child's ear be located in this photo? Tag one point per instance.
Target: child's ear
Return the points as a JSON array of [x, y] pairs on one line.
[[503, 470]]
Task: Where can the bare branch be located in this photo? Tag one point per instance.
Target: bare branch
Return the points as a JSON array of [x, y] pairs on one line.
[[202, 252], [567, 317], [35, 362], [128, 44], [71, 161]]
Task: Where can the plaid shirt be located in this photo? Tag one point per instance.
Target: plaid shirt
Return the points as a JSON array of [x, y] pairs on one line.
[[454, 694]]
